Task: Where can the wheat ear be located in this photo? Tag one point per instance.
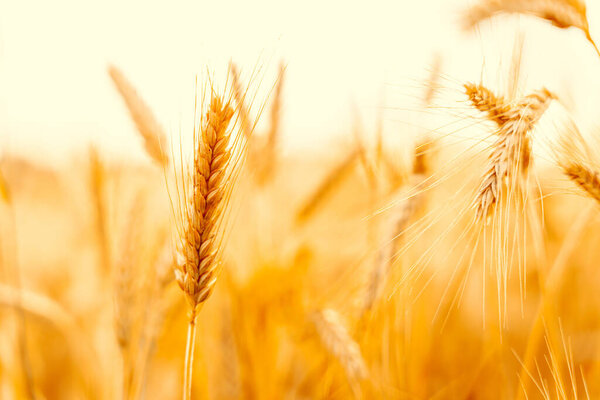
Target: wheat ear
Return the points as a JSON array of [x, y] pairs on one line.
[[240, 97], [97, 187], [126, 296], [560, 13], [196, 274], [4, 192], [399, 222], [149, 128], [575, 159], [483, 99], [586, 178], [337, 341], [273, 136], [511, 151], [268, 152]]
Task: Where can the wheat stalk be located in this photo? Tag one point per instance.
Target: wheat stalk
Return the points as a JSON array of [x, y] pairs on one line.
[[145, 121]]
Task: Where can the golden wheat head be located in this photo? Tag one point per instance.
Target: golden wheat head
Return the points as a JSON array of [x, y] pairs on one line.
[[204, 212], [511, 152]]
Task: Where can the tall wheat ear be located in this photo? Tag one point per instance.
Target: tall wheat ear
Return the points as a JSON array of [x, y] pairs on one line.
[[205, 193], [511, 153]]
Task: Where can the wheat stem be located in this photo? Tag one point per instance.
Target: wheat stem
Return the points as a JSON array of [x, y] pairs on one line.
[[189, 359]]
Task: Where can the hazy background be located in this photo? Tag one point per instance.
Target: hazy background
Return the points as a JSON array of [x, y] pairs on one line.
[[56, 96]]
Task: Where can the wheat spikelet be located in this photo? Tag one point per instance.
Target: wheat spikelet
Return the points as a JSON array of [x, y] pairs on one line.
[[335, 338], [511, 151], [487, 102], [145, 122]]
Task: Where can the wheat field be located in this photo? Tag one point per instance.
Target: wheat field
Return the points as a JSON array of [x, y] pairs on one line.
[[456, 260]]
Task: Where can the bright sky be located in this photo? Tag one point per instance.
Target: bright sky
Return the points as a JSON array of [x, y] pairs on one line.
[[56, 97]]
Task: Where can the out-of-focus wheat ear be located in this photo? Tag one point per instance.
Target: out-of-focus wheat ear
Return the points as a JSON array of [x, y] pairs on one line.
[[422, 162], [511, 153], [424, 144], [264, 153], [155, 139], [495, 107], [577, 162], [157, 279], [274, 129], [4, 192], [9, 269], [336, 340], [399, 221], [560, 13], [432, 86], [97, 187], [165, 265], [363, 155], [585, 177], [327, 186], [126, 295], [211, 181], [239, 95]]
